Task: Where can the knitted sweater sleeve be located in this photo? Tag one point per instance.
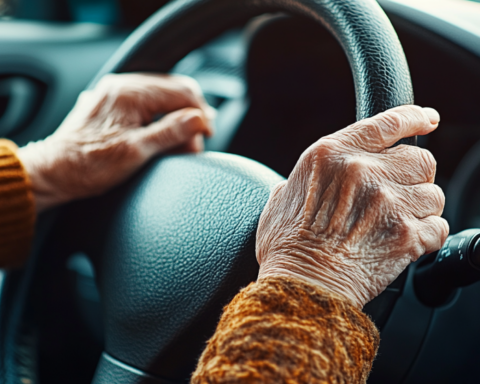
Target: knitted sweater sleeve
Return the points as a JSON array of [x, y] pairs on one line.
[[17, 210], [283, 330]]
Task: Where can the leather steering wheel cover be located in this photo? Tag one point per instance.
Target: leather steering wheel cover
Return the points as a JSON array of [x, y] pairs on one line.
[[378, 63], [179, 246], [382, 81]]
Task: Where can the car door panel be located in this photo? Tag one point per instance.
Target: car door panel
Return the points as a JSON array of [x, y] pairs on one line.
[[49, 64]]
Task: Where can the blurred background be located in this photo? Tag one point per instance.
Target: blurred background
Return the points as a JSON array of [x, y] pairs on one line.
[[108, 12]]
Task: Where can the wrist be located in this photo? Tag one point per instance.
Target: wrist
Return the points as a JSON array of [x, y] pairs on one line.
[[35, 160], [324, 277]]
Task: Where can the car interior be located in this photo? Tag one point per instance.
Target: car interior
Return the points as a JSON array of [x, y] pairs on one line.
[[279, 80]]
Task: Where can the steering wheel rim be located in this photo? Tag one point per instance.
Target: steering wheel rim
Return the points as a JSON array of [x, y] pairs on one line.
[[382, 81], [379, 67]]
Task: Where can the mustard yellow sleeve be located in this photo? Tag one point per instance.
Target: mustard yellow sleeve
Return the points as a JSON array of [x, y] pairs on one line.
[[17, 210], [283, 330]]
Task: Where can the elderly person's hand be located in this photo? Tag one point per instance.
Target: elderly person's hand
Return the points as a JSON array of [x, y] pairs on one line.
[[354, 212], [111, 133]]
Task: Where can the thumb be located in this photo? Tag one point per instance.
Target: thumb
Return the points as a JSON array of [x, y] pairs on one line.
[[173, 130], [383, 130]]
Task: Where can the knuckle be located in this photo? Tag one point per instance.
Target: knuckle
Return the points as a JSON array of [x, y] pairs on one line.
[[123, 101], [412, 240], [322, 149], [372, 124], [414, 159], [438, 197], [407, 232], [108, 79], [378, 128], [358, 169], [192, 120], [390, 121], [167, 137], [387, 123], [379, 194], [358, 164], [84, 95], [123, 97], [187, 92], [438, 230]]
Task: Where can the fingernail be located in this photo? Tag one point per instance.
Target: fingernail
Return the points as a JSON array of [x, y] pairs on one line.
[[433, 115]]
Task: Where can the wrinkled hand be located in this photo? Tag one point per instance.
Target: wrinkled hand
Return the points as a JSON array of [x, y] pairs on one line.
[[354, 212], [110, 134]]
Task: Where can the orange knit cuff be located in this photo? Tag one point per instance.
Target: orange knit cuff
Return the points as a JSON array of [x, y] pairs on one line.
[[17, 209], [283, 330]]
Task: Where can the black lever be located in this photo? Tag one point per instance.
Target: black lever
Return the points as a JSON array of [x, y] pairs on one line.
[[456, 265]]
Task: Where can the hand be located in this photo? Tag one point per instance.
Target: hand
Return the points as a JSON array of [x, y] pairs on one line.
[[354, 212], [110, 134]]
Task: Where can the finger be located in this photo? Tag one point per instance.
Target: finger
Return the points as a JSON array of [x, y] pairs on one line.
[[408, 165], [192, 84], [194, 145], [385, 129], [175, 129], [153, 94], [177, 92], [432, 232], [422, 200]]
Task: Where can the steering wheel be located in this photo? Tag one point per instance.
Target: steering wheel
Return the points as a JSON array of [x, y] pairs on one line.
[[175, 243]]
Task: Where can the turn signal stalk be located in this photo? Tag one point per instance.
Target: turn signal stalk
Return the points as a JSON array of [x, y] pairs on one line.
[[456, 265]]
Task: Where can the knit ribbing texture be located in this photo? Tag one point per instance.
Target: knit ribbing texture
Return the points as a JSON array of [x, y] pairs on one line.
[[17, 210], [283, 330]]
